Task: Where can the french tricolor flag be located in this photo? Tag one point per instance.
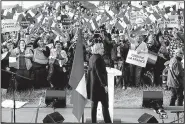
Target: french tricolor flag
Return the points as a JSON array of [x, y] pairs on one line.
[[77, 80]]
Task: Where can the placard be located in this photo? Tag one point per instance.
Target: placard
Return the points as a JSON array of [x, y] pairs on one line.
[[12, 62], [25, 24], [9, 25], [137, 59], [136, 15], [172, 22], [65, 20]]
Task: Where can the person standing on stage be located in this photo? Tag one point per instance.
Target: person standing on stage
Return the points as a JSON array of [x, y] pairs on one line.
[[97, 85], [175, 78]]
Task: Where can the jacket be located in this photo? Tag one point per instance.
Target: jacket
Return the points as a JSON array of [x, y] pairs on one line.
[[96, 78], [39, 57], [28, 52], [175, 73]]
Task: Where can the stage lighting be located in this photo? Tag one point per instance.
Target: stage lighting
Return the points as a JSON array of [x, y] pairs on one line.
[[147, 118], [56, 98], [55, 117], [154, 100]]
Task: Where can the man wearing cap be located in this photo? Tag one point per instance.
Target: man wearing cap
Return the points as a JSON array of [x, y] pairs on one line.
[[175, 78]]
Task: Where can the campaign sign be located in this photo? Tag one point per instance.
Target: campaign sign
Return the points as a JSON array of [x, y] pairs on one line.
[[25, 24], [65, 20], [9, 25], [137, 59], [171, 23]]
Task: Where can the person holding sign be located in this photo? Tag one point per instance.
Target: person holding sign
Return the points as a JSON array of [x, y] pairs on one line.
[[137, 44], [97, 85]]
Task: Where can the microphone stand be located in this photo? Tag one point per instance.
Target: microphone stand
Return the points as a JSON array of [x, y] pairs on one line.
[[13, 81]]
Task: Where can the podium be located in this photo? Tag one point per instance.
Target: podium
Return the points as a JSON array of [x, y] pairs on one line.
[[111, 73]]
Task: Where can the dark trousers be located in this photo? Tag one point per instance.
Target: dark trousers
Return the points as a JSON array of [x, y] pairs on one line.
[[124, 79], [176, 94], [135, 75], [22, 83], [40, 78], [57, 77], [105, 111]]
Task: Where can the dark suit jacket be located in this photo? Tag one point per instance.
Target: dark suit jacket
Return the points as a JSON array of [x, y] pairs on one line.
[[96, 78]]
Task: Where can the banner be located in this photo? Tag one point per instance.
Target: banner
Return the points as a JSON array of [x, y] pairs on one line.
[[25, 24], [133, 17], [136, 15], [9, 25], [171, 23], [137, 59], [65, 20]]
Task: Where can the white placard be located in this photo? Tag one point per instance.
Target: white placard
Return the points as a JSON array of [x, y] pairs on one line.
[[9, 25], [137, 59], [12, 59]]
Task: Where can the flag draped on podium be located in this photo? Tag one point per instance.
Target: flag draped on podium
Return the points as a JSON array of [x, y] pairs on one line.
[[77, 80]]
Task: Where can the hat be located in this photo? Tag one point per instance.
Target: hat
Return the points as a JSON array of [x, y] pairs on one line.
[[166, 63]]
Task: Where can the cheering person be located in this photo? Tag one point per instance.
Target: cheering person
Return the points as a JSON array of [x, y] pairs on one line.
[[23, 65], [57, 72], [40, 62]]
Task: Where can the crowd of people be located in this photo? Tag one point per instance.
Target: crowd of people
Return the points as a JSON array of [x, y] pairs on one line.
[[46, 57]]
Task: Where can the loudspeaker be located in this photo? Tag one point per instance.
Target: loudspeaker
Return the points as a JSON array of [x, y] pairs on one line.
[[88, 120], [149, 96], [56, 96], [53, 118], [147, 118]]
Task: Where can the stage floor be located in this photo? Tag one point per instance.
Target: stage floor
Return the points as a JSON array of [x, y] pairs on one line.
[[27, 115]]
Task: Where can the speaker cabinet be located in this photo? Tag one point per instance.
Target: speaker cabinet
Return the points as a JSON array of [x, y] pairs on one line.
[[88, 120], [147, 118], [149, 96], [59, 96], [53, 118]]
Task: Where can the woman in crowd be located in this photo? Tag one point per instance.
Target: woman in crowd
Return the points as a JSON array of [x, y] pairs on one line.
[[23, 65], [40, 61], [97, 87], [162, 58], [57, 72], [4, 49], [5, 77]]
